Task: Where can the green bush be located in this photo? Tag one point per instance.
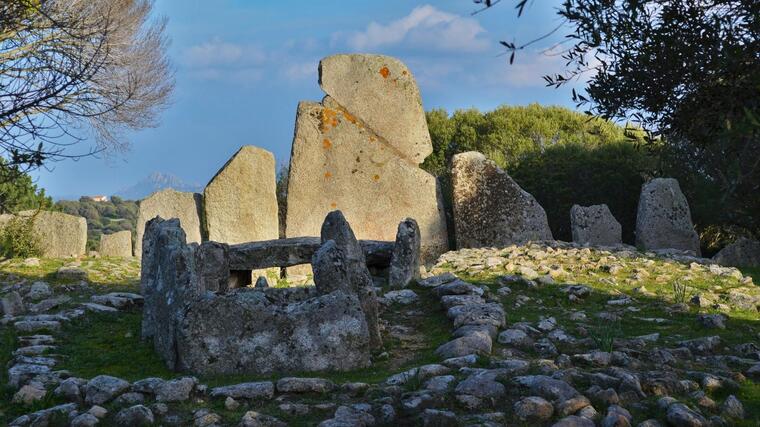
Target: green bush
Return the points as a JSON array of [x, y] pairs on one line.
[[564, 175], [19, 239], [560, 156]]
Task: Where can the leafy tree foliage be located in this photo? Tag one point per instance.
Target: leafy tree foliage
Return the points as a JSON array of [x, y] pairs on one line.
[[102, 217], [75, 69], [686, 71], [18, 192], [558, 155]]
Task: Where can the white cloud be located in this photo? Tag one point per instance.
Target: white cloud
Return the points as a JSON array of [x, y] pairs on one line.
[[217, 52], [424, 27], [306, 70]]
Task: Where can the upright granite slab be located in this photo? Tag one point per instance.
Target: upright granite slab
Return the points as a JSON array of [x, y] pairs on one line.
[[117, 244], [381, 92], [349, 157], [595, 225], [490, 209], [240, 201], [663, 219], [62, 235], [170, 203]]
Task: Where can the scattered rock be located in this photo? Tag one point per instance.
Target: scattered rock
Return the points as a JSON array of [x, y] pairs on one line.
[[137, 415], [533, 408], [104, 388], [304, 385]]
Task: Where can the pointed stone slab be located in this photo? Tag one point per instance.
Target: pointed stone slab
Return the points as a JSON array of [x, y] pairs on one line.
[[381, 92], [240, 201], [490, 209], [663, 219]]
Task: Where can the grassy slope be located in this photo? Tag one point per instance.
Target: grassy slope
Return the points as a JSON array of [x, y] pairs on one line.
[[110, 344]]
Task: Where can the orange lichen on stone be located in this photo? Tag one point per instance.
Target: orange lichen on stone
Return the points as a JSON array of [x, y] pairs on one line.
[[329, 118], [326, 143], [333, 205], [328, 174], [372, 138], [404, 72], [385, 72], [376, 177], [349, 116]]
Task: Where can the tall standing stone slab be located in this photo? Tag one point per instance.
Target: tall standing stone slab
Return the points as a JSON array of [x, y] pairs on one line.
[[595, 225], [240, 201], [168, 284], [382, 93], [62, 235], [490, 209], [170, 203], [117, 244], [351, 157], [663, 219]]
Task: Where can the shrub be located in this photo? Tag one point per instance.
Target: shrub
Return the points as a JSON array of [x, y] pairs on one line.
[[563, 175], [19, 239], [560, 156]]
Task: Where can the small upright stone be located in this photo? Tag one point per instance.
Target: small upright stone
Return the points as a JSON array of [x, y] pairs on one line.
[[405, 259], [663, 220], [595, 225], [118, 244], [171, 204], [490, 209]]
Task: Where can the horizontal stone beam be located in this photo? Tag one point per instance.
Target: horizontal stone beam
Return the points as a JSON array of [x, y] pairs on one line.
[[297, 250]]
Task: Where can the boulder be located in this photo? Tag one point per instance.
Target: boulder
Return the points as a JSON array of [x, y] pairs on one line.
[[742, 253], [405, 260], [663, 220], [395, 112], [358, 151], [61, 235], [118, 244], [490, 209], [595, 225], [171, 204]]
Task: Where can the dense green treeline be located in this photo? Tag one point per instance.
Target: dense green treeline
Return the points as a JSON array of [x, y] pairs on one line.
[[563, 158]]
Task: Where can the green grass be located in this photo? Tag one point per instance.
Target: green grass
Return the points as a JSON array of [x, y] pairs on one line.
[[106, 343]]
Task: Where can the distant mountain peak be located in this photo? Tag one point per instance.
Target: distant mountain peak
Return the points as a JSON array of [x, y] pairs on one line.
[[154, 182]]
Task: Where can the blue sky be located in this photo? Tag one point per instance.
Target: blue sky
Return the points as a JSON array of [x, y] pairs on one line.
[[242, 66]]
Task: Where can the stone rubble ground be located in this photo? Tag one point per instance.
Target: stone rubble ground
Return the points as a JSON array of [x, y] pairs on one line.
[[496, 369]]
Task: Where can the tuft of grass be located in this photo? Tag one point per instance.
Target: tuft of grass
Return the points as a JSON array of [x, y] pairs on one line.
[[681, 292], [105, 343], [605, 334]]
